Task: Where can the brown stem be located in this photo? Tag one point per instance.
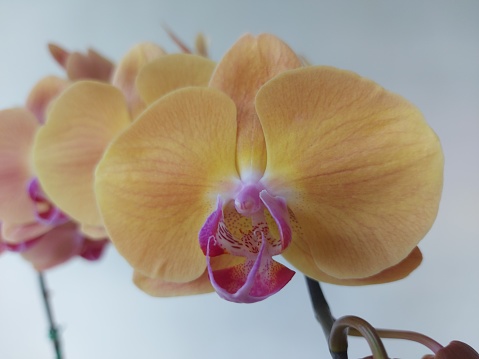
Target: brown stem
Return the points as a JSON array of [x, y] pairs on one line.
[[406, 335], [338, 341]]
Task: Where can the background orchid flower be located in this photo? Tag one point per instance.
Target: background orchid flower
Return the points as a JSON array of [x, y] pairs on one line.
[[89, 115], [32, 224], [327, 168], [29, 226]]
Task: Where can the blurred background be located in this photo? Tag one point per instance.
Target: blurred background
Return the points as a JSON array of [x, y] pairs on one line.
[[427, 50]]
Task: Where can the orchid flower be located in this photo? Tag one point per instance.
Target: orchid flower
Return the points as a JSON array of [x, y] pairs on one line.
[[32, 224], [340, 176], [90, 114]]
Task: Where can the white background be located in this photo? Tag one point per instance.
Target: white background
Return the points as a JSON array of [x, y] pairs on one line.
[[428, 51]]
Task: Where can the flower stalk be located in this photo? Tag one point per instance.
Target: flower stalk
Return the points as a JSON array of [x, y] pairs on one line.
[[53, 330], [428, 342], [321, 308], [338, 340]]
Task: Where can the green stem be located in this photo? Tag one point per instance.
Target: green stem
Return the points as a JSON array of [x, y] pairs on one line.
[[53, 331]]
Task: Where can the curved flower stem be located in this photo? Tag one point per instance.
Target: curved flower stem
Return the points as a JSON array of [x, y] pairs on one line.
[[320, 305], [406, 335], [338, 341], [53, 332]]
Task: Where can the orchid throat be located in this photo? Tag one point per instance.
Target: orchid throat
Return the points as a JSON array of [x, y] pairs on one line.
[[239, 227]]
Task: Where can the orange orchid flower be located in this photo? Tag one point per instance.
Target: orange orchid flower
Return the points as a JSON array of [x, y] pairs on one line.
[[340, 176], [90, 114]]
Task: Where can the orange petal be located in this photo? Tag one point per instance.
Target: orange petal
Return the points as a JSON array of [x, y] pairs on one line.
[[250, 63], [159, 180], [358, 165], [95, 233], [90, 66], [391, 274], [128, 69], [161, 288], [42, 95], [172, 72], [81, 124], [17, 130]]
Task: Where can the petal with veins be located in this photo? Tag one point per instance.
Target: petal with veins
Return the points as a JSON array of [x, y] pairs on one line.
[[160, 288], [81, 124], [250, 63], [358, 166], [158, 181], [391, 274], [127, 72], [172, 72]]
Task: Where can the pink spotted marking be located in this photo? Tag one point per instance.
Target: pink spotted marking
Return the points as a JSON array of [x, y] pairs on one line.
[[259, 276]]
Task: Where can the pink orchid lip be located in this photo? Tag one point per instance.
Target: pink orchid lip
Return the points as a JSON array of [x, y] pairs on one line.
[[259, 276], [52, 214]]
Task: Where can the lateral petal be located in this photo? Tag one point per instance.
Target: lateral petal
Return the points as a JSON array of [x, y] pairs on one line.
[[42, 95], [306, 264], [81, 124], [358, 166], [250, 63], [17, 130], [159, 180], [172, 72], [126, 73], [160, 288]]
